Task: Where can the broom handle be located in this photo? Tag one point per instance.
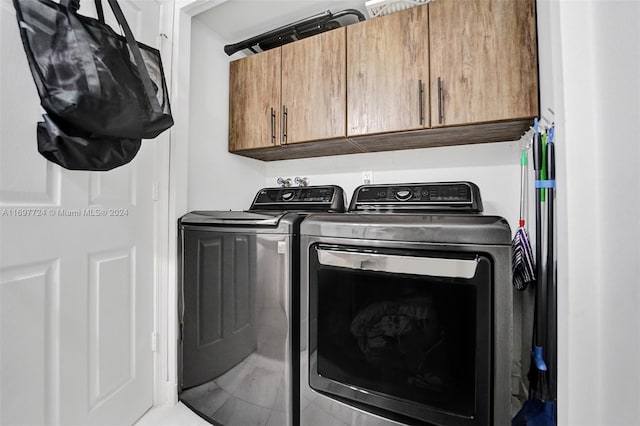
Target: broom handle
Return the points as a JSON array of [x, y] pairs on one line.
[[540, 310], [523, 185], [551, 344]]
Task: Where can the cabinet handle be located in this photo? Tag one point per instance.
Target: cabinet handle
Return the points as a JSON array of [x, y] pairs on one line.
[[420, 107], [440, 117], [273, 126], [284, 124]]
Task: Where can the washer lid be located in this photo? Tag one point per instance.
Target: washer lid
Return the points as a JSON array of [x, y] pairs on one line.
[[232, 217], [423, 228]]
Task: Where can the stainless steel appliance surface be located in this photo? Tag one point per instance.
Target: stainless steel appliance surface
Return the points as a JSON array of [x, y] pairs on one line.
[[407, 310], [239, 306]]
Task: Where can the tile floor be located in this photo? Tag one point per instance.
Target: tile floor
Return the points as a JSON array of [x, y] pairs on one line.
[[171, 415], [251, 393]]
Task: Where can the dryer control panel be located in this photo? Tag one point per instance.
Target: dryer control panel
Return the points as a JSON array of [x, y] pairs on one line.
[[438, 196]]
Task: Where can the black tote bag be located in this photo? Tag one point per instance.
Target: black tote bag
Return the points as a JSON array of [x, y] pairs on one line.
[[76, 150], [90, 78]]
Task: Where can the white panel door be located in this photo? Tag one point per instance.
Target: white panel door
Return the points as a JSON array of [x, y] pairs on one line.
[[76, 262]]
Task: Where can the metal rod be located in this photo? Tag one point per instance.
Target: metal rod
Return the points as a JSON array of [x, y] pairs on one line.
[[284, 124], [297, 29], [420, 100], [273, 125], [440, 118]]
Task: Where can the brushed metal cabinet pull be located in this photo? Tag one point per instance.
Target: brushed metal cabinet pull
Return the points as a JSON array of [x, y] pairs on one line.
[[284, 124], [440, 115], [420, 101], [273, 125]]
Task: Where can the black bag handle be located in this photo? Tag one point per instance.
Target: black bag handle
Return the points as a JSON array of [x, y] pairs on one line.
[[135, 50], [90, 69], [99, 10], [74, 5]]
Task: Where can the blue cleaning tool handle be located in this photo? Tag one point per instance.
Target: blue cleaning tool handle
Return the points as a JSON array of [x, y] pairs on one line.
[[546, 183], [536, 354]]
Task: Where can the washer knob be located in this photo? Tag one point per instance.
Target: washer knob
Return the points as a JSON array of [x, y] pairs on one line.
[[287, 195]]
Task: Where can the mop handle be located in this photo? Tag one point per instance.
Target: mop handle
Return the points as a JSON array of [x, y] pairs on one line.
[[540, 299], [523, 184]]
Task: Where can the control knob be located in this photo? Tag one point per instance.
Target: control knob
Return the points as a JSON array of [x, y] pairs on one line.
[[287, 195], [403, 194]]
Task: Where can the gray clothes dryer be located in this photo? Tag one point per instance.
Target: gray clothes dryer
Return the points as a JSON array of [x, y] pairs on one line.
[[409, 308], [239, 306]]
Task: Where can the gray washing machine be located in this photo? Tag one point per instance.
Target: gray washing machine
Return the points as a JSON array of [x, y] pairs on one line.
[[239, 306], [409, 301]]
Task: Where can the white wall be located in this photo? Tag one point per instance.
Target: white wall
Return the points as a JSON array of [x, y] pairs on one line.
[[216, 178], [598, 89], [493, 167]]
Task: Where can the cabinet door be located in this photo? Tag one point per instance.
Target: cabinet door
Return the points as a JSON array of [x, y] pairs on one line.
[[387, 73], [254, 101], [313, 88], [484, 58]]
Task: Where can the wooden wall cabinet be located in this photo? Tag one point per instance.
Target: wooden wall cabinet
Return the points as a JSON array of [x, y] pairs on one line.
[[314, 87], [254, 100], [445, 73], [484, 63], [292, 94], [388, 73]]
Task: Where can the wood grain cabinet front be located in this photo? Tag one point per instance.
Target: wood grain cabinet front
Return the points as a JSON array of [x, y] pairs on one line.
[[484, 65], [448, 72], [388, 73], [290, 94], [314, 88], [254, 100]]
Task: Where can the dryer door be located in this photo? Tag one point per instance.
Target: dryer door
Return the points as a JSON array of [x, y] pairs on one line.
[[406, 332]]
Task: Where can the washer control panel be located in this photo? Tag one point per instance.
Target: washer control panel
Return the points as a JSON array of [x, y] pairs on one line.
[[439, 196], [313, 198]]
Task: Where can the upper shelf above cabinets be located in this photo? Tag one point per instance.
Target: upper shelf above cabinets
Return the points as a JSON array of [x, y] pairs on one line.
[[445, 73]]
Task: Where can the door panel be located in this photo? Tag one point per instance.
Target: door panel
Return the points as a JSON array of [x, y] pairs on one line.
[[314, 87], [254, 94], [384, 73], [118, 188], [76, 263], [484, 52], [17, 126], [28, 302], [111, 339]]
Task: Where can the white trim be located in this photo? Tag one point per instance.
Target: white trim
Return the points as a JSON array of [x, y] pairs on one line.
[[173, 198], [162, 216]]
